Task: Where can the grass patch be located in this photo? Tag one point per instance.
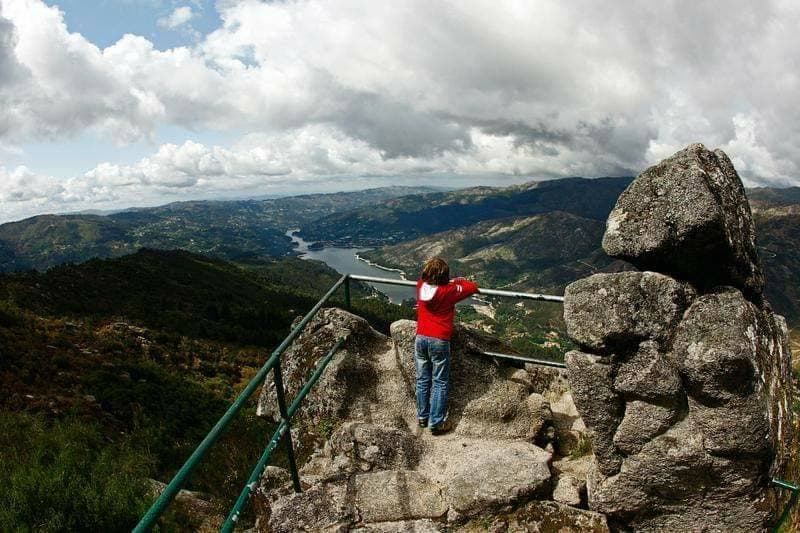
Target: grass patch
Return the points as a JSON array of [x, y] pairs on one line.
[[64, 476]]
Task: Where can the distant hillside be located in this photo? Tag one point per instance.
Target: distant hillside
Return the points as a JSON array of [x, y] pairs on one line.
[[408, 217], [113, 370], [543, 252], [548, 251], [234, 230], [772, 196]]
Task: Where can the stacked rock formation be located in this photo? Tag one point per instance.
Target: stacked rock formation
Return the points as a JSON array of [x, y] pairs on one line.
[[683, 372]]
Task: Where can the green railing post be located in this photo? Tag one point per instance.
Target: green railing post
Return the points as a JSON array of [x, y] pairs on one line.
[[347, 292], [279, 393], [258, 470]]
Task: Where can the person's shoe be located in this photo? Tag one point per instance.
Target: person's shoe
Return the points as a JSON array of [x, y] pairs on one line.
[[423, 422], [443, 427]]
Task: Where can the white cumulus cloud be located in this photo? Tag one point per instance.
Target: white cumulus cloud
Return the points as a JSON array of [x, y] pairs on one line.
[[178, 17], [325, 88]]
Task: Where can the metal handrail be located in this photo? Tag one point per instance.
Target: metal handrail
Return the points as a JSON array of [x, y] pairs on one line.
[[283, 431], [173, 488], [283, 427], [485, 292], [789, 504], [523, 359]]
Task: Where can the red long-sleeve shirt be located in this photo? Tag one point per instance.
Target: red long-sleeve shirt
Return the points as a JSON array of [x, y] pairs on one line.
[[436, 306]]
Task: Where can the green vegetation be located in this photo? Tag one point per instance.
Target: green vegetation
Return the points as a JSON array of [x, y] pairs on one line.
[[65, 476], [583, 448], [134, 359]]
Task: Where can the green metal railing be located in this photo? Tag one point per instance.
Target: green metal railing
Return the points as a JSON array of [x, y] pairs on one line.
[[787, 510], [283, 431]]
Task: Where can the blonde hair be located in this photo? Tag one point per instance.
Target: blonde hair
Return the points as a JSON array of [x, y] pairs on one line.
[[436, 272]]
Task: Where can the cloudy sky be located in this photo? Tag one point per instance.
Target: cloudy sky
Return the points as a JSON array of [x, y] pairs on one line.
[[111, 103]]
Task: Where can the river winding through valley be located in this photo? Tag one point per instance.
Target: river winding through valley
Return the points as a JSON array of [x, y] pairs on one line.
[[344, 260]]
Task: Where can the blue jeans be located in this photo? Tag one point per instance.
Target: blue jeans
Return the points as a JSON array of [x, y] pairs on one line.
[[432, 362]]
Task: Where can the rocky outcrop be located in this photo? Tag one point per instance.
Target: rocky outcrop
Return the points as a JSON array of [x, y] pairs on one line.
[[338, 387], [376, 470], [688, 216], [683, 374]]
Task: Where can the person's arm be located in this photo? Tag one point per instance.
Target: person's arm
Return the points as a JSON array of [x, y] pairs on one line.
[[460, 289]]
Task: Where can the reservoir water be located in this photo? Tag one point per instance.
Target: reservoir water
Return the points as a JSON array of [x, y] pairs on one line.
[[344, 260]]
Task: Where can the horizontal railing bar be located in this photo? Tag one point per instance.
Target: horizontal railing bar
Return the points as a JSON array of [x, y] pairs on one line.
[[486, 292], [388, 281], [175, 485], [523, 295], [523, 359], [785, 485], [255, 475]]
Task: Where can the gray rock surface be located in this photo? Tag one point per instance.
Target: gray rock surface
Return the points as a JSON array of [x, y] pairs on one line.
[[505, 475], [649, 376], [424, 525], [600, 405], [568, 490], [378, 471], [321, 506], [605, 312], [339, 384], [642, 422], [393, 495], [507, 410], [688, 216], [361, 446], [687, 394], [715, 346], [485, 399]]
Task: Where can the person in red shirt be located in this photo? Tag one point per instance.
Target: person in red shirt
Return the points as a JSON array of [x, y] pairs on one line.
[[437, 296]]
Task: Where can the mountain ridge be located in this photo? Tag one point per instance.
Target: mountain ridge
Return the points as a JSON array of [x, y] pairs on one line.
[[233, 230]]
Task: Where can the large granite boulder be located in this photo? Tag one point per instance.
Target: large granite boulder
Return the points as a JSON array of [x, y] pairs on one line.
[[601, 407], [735, 360], [517, 471], [336, 389], [684, 379], [688, 216], [608, 311]]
